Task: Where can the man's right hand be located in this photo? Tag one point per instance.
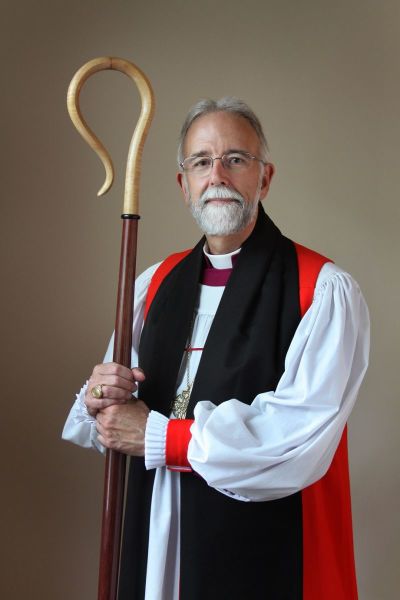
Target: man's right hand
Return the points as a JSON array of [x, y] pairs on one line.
[[117, 385]]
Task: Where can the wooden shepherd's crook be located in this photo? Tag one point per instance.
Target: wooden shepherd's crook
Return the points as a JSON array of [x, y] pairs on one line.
[[115, 462]]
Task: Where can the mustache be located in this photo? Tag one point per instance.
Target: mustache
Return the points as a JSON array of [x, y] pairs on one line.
[[221, 192]]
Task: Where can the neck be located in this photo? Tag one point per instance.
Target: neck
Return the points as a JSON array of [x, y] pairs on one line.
[[224, 244]]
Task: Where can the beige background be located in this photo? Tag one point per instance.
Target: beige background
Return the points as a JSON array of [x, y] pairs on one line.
[[324, 79]]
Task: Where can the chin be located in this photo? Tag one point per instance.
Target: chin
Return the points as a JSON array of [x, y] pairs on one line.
[[223, 219]]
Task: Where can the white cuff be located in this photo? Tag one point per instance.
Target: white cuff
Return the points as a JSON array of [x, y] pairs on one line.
[[155, 440]]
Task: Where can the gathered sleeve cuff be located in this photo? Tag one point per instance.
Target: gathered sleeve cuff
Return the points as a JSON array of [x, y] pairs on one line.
[[155, 440], [166, 442], [80, 427]]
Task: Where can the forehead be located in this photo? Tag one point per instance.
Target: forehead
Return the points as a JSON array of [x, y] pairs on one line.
[[219, 132]]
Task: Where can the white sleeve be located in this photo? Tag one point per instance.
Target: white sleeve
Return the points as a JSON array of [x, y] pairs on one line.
[[285, 440], [80, 427]]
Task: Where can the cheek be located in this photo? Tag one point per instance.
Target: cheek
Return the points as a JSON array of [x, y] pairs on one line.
[[249, 193], [187, 191], [193, 193]]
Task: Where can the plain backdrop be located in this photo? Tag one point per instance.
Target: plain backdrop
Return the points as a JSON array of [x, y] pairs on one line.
[[324, 79]]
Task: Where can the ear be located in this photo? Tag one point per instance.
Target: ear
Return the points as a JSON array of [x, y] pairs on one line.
[[268, 173], [181, 179]]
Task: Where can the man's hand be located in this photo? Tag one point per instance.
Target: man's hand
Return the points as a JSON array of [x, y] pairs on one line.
[[122, 427], [117, 385]]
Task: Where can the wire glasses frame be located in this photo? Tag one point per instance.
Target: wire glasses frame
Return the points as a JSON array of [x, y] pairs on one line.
[[232, 161]]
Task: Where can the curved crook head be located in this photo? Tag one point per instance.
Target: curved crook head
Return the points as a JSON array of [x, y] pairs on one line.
[[131, 195]]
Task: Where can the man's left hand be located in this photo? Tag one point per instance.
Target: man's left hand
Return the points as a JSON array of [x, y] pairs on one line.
[[122, 427]]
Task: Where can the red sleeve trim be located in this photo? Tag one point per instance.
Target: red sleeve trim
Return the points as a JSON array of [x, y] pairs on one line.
[[178, 438]]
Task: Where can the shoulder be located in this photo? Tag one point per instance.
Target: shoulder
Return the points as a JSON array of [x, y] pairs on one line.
[[333, 275], [153, 275], [320, 278], [337, 290], [164, 265], [143, 280]]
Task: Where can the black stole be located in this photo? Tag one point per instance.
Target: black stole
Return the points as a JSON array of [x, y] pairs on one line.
[[229, 549]]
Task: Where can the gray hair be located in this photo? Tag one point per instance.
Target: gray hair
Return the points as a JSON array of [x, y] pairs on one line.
[[226, 104]]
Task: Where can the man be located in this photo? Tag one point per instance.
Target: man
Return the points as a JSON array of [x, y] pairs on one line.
[[243, 404]]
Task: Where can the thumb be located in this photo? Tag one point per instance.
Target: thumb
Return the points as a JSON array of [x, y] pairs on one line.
[[138, 374]]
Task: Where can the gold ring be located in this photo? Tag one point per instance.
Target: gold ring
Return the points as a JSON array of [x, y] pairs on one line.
[[97, 391]]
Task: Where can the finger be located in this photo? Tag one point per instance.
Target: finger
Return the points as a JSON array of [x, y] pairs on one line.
[[102, 438], [106, 435], [110, 397], [113, 368], [119, 394], [94, 406], [111, 380], [138, 374], [101, 429]]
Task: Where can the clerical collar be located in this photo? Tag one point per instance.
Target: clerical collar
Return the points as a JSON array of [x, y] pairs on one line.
[[218, 268], [221, 261]]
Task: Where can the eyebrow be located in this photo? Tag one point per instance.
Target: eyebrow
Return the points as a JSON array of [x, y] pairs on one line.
[[206, 153], [199, 153]]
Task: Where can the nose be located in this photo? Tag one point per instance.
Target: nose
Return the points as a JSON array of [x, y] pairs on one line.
[[218, 174]]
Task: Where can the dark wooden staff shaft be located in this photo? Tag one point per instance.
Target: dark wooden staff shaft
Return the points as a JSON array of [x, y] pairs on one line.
[[114, 480]]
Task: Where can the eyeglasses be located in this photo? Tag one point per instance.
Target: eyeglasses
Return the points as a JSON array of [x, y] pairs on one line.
[[232, 161]]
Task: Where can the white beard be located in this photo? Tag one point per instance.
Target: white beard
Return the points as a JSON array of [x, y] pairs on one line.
[[223, 219]]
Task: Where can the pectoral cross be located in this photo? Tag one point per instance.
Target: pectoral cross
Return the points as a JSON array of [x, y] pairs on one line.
[[181, 402]]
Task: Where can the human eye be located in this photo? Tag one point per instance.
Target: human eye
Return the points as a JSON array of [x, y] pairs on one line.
[[198, 163], [236, 160]]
